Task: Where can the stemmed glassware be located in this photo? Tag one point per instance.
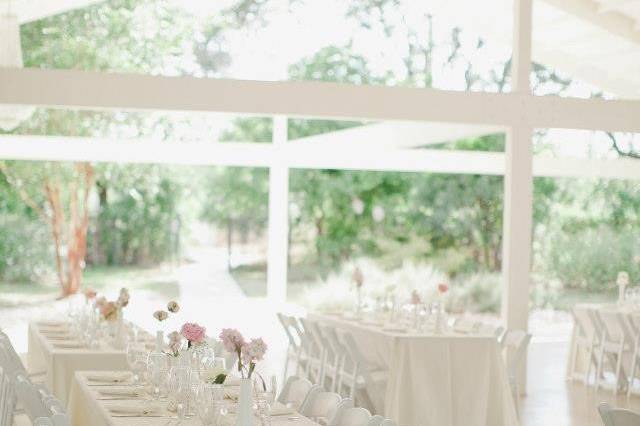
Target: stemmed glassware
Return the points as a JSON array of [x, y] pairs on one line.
[[137, 360], [182, 390]]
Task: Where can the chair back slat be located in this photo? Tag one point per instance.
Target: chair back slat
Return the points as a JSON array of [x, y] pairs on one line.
[[618, 416]]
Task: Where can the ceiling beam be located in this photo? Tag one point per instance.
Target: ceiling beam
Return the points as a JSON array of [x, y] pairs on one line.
[[295, 155], [612, 21], [97, 90], [33, 10]]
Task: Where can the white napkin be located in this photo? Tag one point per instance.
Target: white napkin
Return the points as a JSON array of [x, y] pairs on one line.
[[58, 337], [137, 409], [121, 392], [53, 324], [282, 411], [109, 377]]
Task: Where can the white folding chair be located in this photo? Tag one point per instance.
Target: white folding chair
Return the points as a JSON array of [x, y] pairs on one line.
[[515, 344], [293, 347], [356, 416], [586, 338], [614, 343], [633, 321], [388, 422], [617, 416], [295, 392], [7, 398], [314, 351], [320, 405], [375, 420], [11, 361], [343, 406], [29, 398], [358, 377], [333, 356], [43, 421]]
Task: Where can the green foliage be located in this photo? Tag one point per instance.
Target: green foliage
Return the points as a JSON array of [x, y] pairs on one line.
[[591, 258], [25, 248]]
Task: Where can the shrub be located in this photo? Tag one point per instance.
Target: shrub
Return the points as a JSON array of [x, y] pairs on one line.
[[25, 248]]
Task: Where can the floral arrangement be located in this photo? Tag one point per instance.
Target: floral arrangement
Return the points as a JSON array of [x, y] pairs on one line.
[[162, 315], [443, 288], [193, 333], [89, 294], [175, 343], [109, 311], [249, 353]]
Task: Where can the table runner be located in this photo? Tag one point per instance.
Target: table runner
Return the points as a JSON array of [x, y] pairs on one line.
[[61, 363], [436, 380], [85, 409]]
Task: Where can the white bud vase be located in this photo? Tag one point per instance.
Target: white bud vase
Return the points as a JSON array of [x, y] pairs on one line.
[[245, 403]]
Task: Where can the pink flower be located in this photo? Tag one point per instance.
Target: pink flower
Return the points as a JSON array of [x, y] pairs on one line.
[[443, 288], [415, 298], [254, 350], [193, 332], [90, 294], [232, 339], [100, 301]]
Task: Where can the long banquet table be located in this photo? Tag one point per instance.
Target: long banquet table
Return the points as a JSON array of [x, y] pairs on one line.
[[439, 380], [50, 349], [86, 407]]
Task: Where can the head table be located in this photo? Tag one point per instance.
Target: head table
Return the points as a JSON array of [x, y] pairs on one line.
[[435, 379], [54, 349], [87, 406]]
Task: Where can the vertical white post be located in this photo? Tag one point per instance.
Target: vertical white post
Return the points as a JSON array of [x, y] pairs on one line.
[[518, 188], [278, 219]]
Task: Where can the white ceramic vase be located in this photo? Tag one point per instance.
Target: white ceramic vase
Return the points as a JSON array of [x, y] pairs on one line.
[[245, 403]]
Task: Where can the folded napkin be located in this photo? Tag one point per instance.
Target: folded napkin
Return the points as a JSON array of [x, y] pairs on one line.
[[53, 324], [121, 392], [394, 329], [109, 377], [136, 409], [68, 345], [59, 337], [282, 411], [232, 394]]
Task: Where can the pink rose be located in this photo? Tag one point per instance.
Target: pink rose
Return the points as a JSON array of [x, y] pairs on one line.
[[109, 311], [415, 298], [232, 339], [175, 342], [254, 350], [443, 288], [90, 294], [193, 332]]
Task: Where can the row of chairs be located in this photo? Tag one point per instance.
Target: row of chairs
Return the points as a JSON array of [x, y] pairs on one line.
[[328, 408], [331, 358], [608, 337], [38, 406]]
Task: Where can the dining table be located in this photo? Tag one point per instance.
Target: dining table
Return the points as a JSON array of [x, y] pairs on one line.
[[433, 379], [54, 349], [91, 403]]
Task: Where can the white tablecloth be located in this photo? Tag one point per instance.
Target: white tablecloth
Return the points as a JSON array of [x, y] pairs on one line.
[[86, 410], [437, 380], [61, 364]]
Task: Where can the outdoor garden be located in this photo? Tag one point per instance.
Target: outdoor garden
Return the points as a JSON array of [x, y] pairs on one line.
[[64, 226]]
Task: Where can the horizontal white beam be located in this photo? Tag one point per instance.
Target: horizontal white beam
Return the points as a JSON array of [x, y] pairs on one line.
[[96, 90], [394, 135], [588, 10], [32, 10], [295, 155]]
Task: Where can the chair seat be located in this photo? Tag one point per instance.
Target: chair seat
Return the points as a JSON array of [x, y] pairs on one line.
[[21, 420]]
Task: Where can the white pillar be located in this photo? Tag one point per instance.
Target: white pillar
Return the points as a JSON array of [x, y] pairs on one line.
[[518, 188], [278, 220]]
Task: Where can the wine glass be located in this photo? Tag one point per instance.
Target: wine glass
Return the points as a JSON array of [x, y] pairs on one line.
[[137, 360], [157, 373], [182, 389]]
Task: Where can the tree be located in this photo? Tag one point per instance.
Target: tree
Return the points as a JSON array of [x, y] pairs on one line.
[[64, 204]]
